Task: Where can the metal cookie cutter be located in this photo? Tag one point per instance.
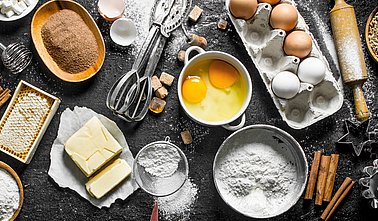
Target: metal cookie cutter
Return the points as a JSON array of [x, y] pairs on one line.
[[355, 137], [371, 182], [371, 145]]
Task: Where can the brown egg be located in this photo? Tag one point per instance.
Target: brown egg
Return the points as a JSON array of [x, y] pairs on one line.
[[272, 2], [244, 9], [298, 43], [284, 16]]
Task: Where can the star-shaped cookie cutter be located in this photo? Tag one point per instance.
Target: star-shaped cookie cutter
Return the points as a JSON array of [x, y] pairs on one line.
[[357, 138]]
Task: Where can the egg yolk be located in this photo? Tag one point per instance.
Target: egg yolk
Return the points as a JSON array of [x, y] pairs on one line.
[[222, 74], [194, 89]]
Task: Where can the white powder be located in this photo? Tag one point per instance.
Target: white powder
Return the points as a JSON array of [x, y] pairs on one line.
[[160, 160], [139, 11], [9, 195], [256, 179], [178, 205], [350, 57]]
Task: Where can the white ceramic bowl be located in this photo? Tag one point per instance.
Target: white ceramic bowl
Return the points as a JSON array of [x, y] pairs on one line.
[[123, 31], [205, 55], [23, 14]]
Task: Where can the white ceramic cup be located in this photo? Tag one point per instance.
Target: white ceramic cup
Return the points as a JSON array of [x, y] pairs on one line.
[[210, 55]]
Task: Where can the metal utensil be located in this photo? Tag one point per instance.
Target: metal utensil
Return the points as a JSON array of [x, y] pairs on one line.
[[166, 16], [282, 143], [160, 186], [371, 182], [123, 93], [16, 57]]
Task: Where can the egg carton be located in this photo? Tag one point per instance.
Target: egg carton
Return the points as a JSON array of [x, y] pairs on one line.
[[25, 121], [265, 47]]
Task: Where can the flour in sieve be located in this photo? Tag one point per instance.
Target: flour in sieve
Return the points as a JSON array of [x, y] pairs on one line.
[[256, 179], [160, 160], [9, 195]]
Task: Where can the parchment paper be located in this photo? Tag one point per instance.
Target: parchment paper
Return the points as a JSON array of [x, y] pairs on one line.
[[65, 172]]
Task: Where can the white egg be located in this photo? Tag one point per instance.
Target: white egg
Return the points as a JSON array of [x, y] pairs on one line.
[[311, 70], [285, 85]]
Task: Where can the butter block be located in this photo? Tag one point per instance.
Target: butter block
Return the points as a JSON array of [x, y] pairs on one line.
[[92, 146], [108, 178]]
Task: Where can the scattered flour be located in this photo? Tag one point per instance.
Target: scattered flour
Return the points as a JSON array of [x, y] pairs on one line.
[[139, 11], [350, 56], [178, 205], [255, 179], [9, 195], [160, 160]]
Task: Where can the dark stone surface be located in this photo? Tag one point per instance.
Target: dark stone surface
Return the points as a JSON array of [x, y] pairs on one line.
[[44, 200]]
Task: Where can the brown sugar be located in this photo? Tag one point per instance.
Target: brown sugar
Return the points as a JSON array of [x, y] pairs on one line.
[[69, 41]]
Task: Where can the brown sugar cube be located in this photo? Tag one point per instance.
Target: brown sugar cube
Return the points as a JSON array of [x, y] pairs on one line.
[[181, 56], [157, 105], [195, 14], [166, 78], [222, 24], [198, 41], [161, 92], [155, 82], [186, 137]]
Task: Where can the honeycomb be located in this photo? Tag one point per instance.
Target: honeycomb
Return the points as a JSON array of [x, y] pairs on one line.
[[23, 121]]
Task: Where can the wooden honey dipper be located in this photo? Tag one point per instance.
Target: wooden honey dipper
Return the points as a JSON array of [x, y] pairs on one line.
[[350, 55]]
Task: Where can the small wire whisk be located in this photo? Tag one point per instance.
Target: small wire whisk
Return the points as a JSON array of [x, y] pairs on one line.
[[16, 57]]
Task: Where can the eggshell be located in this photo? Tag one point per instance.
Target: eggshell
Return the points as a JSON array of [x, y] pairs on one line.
[[284, 16], [311, 70], [298, 43], [111, 9], [285, 85], [272, 2], [244, 9]]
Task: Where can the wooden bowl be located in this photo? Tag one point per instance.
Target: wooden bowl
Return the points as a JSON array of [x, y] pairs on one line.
[[39, 19], [371, 51], [17, 178]]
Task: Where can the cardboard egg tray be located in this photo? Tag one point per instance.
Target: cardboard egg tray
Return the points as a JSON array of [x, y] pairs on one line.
[[25, 121], [265, 46]]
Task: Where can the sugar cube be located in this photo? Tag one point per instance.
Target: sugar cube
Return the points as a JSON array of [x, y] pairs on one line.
[[166, 78], [195, 14]]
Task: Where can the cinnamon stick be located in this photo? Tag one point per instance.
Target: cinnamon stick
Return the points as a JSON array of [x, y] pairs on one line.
[[331, 177], [313, 175], [322, 178], [5, 99], [337, 198], [4, 92], [4, 96]]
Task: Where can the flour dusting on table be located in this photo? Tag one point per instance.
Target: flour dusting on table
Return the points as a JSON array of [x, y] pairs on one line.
[[178, 205]]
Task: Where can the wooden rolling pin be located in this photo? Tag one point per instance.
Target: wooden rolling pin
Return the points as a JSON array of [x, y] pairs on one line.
[[350, 55]]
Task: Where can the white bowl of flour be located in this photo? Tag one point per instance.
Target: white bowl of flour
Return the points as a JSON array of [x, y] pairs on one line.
[[11, 193], [260, 171]]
